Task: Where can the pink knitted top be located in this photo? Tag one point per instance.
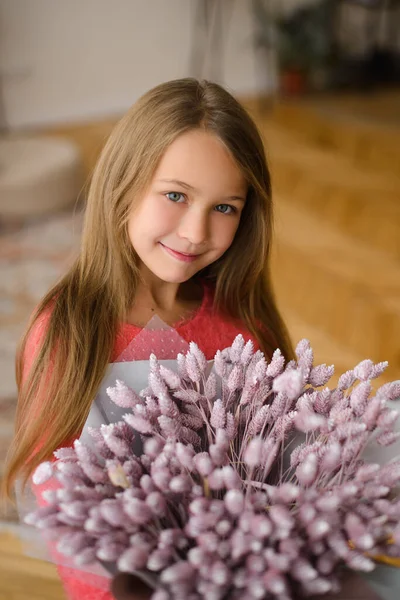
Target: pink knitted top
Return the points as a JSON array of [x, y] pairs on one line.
[[211, 332]]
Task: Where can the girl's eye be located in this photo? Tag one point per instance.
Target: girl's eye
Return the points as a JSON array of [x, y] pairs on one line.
[[226, 209], [175, 196]]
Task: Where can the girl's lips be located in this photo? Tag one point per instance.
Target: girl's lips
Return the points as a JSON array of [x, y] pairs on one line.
[[179, 255]]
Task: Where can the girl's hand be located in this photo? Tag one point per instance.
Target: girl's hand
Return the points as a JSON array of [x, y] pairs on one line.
[[125, 586]]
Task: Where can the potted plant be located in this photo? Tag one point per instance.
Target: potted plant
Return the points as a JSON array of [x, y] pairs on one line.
[[302, 40]]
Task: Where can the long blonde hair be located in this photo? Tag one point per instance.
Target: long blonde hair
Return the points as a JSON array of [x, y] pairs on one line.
[[88, 304]]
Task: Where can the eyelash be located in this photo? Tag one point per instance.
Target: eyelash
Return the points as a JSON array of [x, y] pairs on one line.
[[233, 210]]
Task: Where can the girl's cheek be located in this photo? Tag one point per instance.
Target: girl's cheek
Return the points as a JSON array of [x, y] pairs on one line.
[[224, 231], [165, 211]]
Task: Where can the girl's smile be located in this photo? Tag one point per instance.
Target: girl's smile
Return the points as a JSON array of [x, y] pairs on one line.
[[182, 256]]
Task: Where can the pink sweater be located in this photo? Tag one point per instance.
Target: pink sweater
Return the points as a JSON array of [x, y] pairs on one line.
[[212, 332]]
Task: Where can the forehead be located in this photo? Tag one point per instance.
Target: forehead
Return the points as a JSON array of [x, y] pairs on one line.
[[200, 159]]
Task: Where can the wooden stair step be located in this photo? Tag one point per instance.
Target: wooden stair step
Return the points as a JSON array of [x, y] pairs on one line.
[[381, 105], [363, 204], [368, 137], [346, 289]]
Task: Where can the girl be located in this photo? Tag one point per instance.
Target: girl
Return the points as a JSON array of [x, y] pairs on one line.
[[178, 223]]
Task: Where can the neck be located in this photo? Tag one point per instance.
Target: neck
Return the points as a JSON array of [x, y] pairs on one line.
[[161, 296], [164, 296]]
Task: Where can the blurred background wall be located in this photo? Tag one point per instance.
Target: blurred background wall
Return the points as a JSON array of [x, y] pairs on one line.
[[68, 61]]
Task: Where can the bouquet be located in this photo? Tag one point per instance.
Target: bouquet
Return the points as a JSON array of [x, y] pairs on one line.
[[249, 480]]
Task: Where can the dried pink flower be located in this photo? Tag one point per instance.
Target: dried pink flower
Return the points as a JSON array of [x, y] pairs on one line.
[[218, 415], [320, 375], [42, 473], [289, 383], [276, 365], [122, 395]]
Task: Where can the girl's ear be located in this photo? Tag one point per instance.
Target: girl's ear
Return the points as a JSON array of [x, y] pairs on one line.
[[125, 586]]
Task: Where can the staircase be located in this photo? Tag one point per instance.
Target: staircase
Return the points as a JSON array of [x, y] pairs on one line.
[[336, 263]]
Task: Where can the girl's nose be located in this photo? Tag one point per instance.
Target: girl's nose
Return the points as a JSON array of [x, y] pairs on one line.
[[194, 227]]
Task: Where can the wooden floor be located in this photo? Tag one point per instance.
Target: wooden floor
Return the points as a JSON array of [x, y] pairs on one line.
[[22, 577], [336, 262]]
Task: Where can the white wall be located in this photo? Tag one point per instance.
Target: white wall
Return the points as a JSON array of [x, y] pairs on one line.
[[71, 60]]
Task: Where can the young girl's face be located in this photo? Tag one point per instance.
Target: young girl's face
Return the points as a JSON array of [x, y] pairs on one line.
[[191, 210]]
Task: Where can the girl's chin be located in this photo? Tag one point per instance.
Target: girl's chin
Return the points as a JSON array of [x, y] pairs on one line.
[[179, 275], [176, 278]]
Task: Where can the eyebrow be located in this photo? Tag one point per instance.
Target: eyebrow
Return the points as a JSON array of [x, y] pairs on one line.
[[193, 189]]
